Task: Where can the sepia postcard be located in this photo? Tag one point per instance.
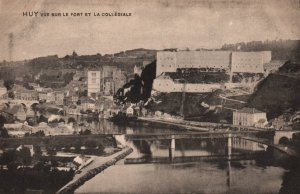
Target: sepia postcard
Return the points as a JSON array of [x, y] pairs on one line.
[[150, 96]]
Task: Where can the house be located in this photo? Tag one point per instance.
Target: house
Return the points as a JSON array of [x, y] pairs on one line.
[[43, 127], [27, 95], [72, 109], [60, 129], [50, 97], [108, 86], [59, 97], [79, 160], [43, 96], [36, 87], [87, 103], [3, 89], [72, 96], [63, 129], [103, 104], [249, 117], [30, 147], [130, 111]]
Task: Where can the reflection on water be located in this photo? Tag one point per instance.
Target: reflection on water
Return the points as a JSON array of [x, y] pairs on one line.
[[103, 126], [263, 172], [185, 178]]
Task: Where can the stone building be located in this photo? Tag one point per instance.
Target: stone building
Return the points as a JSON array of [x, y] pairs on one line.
[[273, 66], [250, 62], [249, 117], [59, 97], [94, 81], [105, 81], [168, 61], [165, 83], [227, 67]]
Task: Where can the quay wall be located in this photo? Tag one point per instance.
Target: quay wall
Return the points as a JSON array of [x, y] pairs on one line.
[[70, 188], [202, 125]]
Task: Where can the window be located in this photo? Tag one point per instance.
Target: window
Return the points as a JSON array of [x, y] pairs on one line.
[[93, 74]]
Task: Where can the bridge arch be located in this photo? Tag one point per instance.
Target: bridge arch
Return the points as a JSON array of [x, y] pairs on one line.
[[25, 107], [4, 104], [283, 140], [33, 106], [283, 136]]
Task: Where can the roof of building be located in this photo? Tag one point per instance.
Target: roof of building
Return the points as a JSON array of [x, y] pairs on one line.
[[87, 100], [249, 110]]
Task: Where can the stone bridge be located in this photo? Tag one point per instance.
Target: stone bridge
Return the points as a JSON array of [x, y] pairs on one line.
[[282, 136], [27, 103]]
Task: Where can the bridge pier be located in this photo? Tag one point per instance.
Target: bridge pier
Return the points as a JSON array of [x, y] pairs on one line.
[[229, 146], [172, 148]]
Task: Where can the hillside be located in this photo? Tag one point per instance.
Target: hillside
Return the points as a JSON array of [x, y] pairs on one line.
[[207, 107], [281, 49], [126, 60], [279, 92]]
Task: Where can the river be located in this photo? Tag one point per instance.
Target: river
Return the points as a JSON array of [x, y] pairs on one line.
[[254, 170]]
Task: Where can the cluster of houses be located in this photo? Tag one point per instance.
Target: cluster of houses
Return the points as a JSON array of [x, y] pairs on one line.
[[251, 117]]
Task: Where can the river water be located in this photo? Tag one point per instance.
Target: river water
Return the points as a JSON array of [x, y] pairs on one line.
[[256, 169]]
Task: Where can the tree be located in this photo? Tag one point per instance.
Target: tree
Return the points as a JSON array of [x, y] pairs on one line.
[[74, 54], [42, 119], [35, 108], [8, 157], [2, 121], [90, 143], [24, 156], [68, 77], [9, 84], [61, 120], [51, 151], [85, 132], [83, 93], [71, 120], [4, 133], [27, 86], [11, 94], [37, 151], [39, 133]]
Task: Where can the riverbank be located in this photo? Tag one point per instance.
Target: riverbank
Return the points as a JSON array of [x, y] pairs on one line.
[[190, 125], [195, 125], [97, 166]]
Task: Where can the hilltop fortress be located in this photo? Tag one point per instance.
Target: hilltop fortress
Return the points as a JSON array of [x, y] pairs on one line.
[[206, 71]]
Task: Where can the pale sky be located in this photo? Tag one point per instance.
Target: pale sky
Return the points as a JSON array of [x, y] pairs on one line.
[[154, 24]]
